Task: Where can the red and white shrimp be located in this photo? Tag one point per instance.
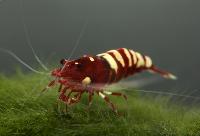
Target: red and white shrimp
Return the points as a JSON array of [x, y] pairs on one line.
[[91, 73]]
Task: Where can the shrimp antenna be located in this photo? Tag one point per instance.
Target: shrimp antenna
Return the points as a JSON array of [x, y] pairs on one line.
[[29, 40], [33, 51], [168, 93], [153, 92], [78, 40], [22, 62]]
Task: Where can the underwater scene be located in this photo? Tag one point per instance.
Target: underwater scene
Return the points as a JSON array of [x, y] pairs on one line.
[[99, 67]]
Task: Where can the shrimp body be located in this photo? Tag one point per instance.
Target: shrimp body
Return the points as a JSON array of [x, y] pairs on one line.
[[91, 73]]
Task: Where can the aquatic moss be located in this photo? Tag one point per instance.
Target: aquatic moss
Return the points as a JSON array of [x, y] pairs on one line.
[[25, 111]]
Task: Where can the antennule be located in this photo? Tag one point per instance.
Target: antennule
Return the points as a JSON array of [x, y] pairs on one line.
[[29, 40], [22, 62], [76, 43]]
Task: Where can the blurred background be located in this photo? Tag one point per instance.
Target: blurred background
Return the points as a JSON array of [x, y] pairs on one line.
[[167, 30]]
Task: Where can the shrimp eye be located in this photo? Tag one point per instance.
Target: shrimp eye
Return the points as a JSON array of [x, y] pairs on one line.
[[78, 65], [62, 61]]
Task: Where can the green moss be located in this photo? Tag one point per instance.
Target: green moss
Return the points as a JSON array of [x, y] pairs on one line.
[[25, 111]]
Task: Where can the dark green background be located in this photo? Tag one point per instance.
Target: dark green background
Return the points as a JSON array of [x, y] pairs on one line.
[[167, 30]]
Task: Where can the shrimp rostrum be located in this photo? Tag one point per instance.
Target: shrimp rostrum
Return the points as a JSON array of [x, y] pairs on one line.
[[91, 74]]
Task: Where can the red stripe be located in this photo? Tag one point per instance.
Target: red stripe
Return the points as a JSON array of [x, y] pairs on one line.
[[126, 60], [131, 69]]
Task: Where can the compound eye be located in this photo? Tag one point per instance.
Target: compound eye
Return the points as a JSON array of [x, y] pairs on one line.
[[78, 65], [62, 61]]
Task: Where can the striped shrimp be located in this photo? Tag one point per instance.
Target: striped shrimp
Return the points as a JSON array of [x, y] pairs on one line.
[[91, 74]]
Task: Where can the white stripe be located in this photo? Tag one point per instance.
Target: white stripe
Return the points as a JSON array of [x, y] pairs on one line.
[[107, 92], [86, 81], [110, 60], [91, 58], [140, 61], [102, 95], [170, 76], [148, 61], [118, 57], [128, 56], [134, 56], [74, 99]]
